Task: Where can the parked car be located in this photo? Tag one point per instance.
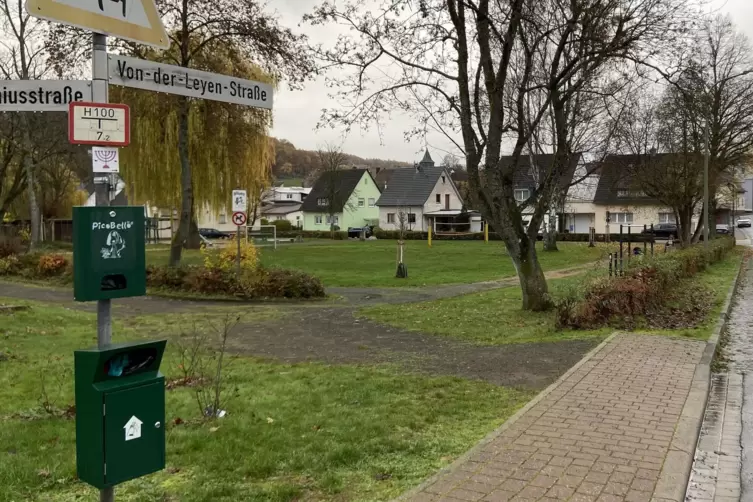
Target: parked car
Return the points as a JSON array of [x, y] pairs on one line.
[[722, 229], [743, 223], [662, 231], [355, 232], [212, 233]]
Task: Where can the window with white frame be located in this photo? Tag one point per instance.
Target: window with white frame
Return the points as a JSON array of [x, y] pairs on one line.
[[336, 220], [223, 219], [322, 201], [390, 217], [522, 194], [623, 192], [623, 218], [667, 218], [411, 217], [318, 219], [289, 195], [438, 198], [372, 202], [361, 202]]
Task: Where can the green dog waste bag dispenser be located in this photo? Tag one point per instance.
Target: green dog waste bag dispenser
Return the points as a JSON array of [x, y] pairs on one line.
[[109, 252], [120, 412]]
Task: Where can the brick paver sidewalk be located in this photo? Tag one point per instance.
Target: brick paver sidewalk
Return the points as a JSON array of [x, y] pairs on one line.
[[601, 434]]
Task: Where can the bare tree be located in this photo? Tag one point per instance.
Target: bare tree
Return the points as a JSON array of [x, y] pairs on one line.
[[467, 68], [713, 82], [23, 58], [667, 162], [403, 225], [337, 199]]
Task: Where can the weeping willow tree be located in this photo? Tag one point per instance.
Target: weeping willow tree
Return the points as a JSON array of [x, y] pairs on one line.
[[228, 145]]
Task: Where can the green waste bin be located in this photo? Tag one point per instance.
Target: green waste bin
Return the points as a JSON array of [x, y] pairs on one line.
[[120, 412], [109, 252]]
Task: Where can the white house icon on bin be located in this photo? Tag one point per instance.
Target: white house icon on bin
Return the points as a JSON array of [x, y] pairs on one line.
[[133, 428]]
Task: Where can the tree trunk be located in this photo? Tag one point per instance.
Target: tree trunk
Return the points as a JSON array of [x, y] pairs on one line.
[[531, 277], [186, 184], [33, 205], [684, 227], [550, 236], [194, 238]]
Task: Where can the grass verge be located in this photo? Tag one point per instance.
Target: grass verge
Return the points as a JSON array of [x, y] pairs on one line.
[[294, 432], [372, 263], [495, 318], [488, 318]]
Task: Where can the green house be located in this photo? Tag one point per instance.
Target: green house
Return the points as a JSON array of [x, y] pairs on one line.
[[344, 198]]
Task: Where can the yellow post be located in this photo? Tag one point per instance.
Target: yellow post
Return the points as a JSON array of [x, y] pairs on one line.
[[486, 232], [429, 235]]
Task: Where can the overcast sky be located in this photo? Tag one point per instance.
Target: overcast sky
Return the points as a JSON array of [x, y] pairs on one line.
[[296, 113]]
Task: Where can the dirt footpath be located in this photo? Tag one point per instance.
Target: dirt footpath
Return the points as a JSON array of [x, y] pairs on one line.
[[330, 333]]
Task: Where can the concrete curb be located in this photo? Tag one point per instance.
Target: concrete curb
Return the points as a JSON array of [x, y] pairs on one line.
[[675, 473], [510, 421]]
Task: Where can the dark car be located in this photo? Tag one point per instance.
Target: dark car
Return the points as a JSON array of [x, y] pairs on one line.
[[663, 231], [212, 233], [355, 232]]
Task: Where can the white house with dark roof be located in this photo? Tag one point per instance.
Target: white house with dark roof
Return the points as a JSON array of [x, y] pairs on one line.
[[426, 195]]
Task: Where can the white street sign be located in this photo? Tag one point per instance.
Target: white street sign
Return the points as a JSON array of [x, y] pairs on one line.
[[105, 159], [99, 124], [42, 95], [136, 20], [133, 428], [142, 74], [240, 201]]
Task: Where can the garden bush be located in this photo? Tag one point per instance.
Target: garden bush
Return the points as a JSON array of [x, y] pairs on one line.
[[250, 284], [645, 285], [51, 265], [283, 225]]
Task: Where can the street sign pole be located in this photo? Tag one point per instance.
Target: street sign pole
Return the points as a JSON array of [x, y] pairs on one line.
[[104, 307], [238, 256]]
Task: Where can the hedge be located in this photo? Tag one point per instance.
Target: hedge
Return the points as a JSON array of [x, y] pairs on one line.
[[422, 236], [646, 284]]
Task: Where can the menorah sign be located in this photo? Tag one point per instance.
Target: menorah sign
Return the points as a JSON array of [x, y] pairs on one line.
[[105, 160]]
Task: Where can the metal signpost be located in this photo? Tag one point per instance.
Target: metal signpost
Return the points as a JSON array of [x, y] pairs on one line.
[[240, 204], [111, 247]]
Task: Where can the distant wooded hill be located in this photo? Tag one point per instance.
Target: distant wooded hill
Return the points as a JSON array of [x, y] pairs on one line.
[[290, 162]]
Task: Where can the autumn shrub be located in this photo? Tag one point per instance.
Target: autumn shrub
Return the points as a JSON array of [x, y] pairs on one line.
[[645, 285], [10, 265], [225, 258], [51, 265]]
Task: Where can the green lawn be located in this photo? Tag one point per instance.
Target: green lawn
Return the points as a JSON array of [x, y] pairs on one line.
[[373, 263], [293, 432], [495, 318], [488, 318]]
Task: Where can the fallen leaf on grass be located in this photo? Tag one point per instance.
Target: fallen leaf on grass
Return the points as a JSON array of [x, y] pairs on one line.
[[214, 429], [177, 421], [270, 420], [43, 473]]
